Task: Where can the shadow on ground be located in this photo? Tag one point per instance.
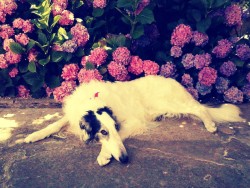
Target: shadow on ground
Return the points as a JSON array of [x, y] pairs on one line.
[[178, 153]]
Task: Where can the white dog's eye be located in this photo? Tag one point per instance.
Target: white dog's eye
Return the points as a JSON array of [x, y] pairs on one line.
[[104, 132]]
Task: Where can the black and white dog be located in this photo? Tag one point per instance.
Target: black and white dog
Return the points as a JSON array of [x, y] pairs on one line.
[[110, 112]]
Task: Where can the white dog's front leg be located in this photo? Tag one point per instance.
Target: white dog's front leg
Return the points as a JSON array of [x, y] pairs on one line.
[[104, 157]]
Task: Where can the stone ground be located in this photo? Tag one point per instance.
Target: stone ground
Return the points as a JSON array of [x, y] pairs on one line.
[[178, 153]]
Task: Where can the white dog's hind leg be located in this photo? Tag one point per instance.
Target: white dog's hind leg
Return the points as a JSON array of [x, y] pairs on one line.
[[47, 131], [104, 157]]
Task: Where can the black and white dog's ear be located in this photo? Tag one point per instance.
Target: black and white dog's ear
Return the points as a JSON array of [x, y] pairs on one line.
[[110, 113], [105, 109]]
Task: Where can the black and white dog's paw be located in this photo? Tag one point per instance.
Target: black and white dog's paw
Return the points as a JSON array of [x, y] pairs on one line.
[[34, 137]]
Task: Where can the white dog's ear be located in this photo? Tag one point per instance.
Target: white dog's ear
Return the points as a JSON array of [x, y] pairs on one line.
[[110, 113]]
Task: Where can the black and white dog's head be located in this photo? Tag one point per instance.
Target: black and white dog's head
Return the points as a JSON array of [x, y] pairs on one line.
[[101, 125]]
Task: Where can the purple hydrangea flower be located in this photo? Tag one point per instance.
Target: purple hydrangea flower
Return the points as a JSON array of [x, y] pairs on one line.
[[188, 61], [168, 70], [228, 68], [233, 15], [223, 48], [176, 51], [248, 77], [233, 95], [221, 84], [69, 46], [243, 51], [202, 60], [246, 91], [202, 89], [199, 39], [207, 76]]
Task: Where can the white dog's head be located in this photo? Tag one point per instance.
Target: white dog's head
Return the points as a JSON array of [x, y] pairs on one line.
[[100, 125]]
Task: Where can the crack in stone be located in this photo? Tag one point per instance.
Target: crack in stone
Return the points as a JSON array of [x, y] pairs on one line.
[[7, 167], [187, 157]]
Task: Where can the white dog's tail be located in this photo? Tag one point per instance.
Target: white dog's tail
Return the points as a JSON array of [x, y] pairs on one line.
[[225, 113]]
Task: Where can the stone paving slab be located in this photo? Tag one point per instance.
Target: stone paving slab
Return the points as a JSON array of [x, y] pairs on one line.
[[178, 153]]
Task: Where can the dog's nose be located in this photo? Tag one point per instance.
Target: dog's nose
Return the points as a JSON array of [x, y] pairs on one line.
[[123, 158]]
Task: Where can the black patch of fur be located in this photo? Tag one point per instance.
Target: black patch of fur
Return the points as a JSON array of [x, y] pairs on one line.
[[110, 113], [93, 126]]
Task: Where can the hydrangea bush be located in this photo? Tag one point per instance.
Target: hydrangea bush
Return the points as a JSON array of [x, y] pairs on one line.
[[48, 47]]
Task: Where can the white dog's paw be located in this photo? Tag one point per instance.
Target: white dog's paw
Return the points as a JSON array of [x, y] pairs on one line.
[[36, 136], [102, 161], [212, 128]]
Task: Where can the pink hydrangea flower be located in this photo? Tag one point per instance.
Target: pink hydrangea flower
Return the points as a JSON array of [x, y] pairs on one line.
[[6, 31], [3, 62], [69, 46], [57, 47], [199, 39], [233, 15], [181, 35], [188, 61], [223, 48], [84, 60], [32, 55], [99, 3], [168, 70], [7, 7], [18, 23], [187, 80], [243, 51], [23, 92], [202, 60], [142, 4], [118, 71], [80, 34], [207, 76], [98, 56], [150, 67], [28, 27], [228, 68], [85, 76], [193, 92], [13, 72], [69, 72], [121, 55], [6, 44], [233, 95], [49, 91], [67, 18], [12, 58], [22, 39], [58, 6], [66, 88], [176, 51], [136, 65]]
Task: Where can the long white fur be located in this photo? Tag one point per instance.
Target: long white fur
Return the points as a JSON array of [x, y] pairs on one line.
[[136, 104]]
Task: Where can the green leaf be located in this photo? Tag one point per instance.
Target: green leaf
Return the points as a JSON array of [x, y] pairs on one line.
[[196, 15], [146, 16], [67, 56], [218, 3], [23, 66], [79, 52], [97, 12], [33, 79], [203, 25], [62, 34], [32, 67], [138, 32], [90, 66], [57, 56], [55, 20], [43, 62], [16, 48], [125, 3], [31, 44], [52, 81], [42, 39]]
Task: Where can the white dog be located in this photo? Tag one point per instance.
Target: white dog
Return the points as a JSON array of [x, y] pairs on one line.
[[110, 112]]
